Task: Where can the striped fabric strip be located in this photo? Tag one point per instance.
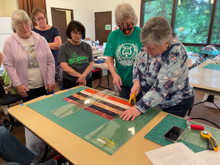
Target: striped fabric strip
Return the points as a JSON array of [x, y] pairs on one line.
[[109, 108], [90, 109], [99, 103], [112, 105], [109, 97], [105, 99]]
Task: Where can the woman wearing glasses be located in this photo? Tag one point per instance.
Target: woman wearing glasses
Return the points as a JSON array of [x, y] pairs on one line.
[[52, 35], [76, 57], [123, 45], [27, 59], [30, 65]]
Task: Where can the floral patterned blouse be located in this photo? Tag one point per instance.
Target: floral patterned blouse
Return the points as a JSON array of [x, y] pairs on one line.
[[164, 79]]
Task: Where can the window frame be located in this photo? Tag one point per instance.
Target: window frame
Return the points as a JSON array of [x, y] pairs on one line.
[[173, 19]]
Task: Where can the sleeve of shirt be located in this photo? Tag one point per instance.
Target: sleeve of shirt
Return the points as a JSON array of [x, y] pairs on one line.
[[109, 49], [62, 54], [57, 33], [50, 63], [9, 64], [136, 64], [91, 58], [170, 71]]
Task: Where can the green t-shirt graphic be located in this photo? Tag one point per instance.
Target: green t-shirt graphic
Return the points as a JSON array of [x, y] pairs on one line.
[[124, 49], [77, 57]]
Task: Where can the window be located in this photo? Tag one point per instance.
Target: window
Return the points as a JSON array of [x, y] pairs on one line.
[[193, 20], [196, 22], [216, 26], [158, 8]]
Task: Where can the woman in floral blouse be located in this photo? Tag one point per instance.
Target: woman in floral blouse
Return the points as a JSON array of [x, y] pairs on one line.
[[161, 72]]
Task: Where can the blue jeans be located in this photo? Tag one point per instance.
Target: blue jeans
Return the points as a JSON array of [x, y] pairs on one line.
[[125, 93], [181, 108], [12, 150]]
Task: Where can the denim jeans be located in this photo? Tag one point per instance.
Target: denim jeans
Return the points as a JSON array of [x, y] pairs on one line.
[[181, 108], [12, 150], [125, 93]]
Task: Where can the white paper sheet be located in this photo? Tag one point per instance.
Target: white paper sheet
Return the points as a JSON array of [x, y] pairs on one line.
[[174, 154], [210, 157]]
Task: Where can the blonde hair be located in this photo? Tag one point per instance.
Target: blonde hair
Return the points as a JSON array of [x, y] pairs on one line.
[[125, 11], [19, 16], [156, 30]]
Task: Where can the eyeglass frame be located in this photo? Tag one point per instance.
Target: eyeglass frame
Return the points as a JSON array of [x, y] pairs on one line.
[[76, 33], [42, 18], [21, 25]]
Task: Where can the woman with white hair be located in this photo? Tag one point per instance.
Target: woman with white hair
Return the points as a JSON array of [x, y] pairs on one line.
[[122, 46], [161, 72], [30, 65], [27, 59]]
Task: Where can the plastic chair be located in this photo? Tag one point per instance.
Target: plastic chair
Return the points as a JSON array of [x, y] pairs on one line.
[[6, 101]]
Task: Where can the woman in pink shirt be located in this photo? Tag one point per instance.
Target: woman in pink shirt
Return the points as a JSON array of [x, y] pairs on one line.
[[28, 59], [30, 65]]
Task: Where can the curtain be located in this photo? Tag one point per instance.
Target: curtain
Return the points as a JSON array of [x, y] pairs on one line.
[[29, 5]]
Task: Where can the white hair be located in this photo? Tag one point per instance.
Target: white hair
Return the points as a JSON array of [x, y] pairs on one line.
[[125, 11], [156, 30], [19, 16]]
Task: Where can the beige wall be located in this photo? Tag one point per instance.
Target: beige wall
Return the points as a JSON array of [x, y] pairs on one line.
[[83, 10], [7, 7]]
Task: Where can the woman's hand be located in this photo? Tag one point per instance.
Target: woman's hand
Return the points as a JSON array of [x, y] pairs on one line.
[[136, 88], [130, 113], [81, 80], [117, 81], [50, 88], [22, 90]]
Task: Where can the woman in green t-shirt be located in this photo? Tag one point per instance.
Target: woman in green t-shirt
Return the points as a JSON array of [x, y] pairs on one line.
[[123, 46]]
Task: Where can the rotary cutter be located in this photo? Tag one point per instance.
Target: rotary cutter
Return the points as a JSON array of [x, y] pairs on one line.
[[213, 145], [132, 99]]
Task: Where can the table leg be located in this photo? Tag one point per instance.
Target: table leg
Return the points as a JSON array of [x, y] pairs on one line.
[[100, 81]]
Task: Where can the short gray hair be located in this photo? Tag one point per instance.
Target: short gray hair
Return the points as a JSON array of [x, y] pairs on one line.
[[19, 16], [125, 11], [156, 30]]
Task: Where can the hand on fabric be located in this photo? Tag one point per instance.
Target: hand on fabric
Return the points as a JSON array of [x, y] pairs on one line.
[[136, 88], [130, 113], [50, 88], [81, 80], [22, 90], [117, 81]]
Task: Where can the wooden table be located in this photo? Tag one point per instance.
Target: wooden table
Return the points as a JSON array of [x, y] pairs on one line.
[[79, 151], [206, 80]]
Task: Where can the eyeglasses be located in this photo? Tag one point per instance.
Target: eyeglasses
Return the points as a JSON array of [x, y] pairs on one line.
[[76, 33], [22, 25], [42, 18]]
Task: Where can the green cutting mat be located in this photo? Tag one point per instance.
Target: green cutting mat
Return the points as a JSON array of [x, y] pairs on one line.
[[107, 135], [212, 66], [191, 138]]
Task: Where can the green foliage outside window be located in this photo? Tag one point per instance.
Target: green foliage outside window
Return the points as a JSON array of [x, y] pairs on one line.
[[193, 49], [216, 27], [158, 8], [192, 19]]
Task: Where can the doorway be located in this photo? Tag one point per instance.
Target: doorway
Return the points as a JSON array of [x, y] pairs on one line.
[[60, 19], [103, 26]]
